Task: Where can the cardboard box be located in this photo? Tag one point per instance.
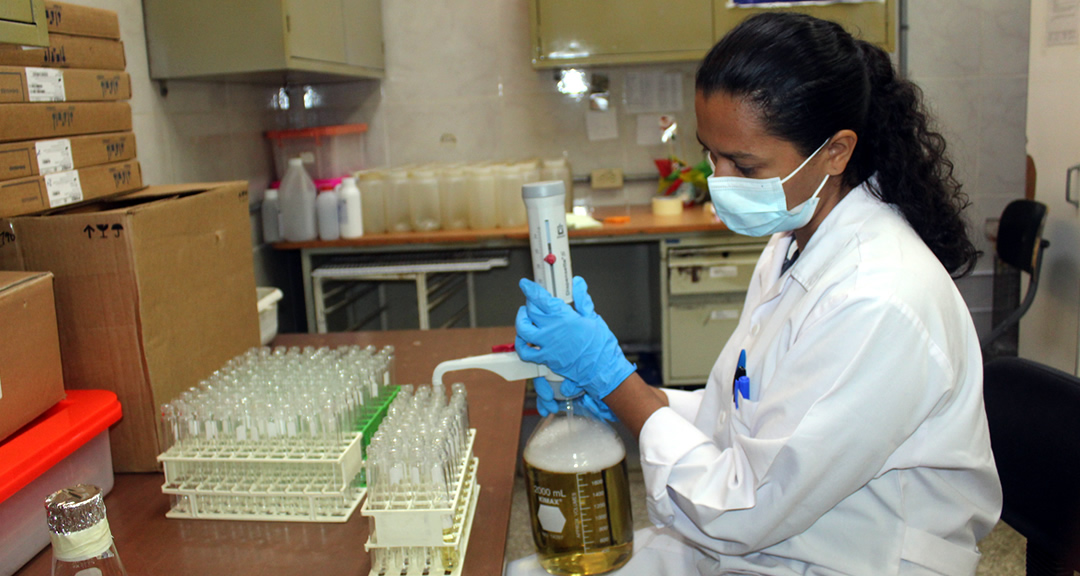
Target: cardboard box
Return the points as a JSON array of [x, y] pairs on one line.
[[81, 20], [29, 84], [42, 193], [31, 377], [66, 51], [22, 159], [39, 120], [158, 295]]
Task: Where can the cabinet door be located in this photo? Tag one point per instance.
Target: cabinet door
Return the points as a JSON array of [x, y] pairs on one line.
[[23, 22], [569, 32], [316, 30], [698, 332], [363, 33], [874, 22]]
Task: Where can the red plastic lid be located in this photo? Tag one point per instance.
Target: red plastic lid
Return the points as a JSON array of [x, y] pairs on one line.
[[53, 436], [317, 132], [327, 183]]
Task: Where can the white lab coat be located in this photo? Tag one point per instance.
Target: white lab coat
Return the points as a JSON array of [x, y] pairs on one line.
[[863, 448]]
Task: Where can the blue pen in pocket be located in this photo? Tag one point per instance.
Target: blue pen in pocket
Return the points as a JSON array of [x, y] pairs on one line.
[[740, 385]]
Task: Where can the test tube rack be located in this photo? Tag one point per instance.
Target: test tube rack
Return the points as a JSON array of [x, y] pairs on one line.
[[412, 525], [225, 480]]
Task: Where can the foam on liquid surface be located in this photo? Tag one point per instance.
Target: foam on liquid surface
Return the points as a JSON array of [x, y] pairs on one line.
[[574, 445]]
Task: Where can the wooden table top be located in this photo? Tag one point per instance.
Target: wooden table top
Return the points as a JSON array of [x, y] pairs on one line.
[[642, 222], [150, 544]]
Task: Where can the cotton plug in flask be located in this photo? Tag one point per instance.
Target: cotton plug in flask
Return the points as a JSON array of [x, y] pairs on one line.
[[82, 543], [579, 494]]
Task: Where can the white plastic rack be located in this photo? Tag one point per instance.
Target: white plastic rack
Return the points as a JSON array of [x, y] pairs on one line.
[[412, 538], [230, 482]]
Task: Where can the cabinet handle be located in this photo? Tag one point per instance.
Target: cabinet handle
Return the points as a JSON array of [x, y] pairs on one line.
[[288, 23], [1072, 185]]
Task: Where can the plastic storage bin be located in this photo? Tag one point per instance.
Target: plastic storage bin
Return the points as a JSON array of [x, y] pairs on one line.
[[327, 152], [67, 445], [268, 317]]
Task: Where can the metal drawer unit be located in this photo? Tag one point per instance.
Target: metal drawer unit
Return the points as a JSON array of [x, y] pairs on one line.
[[703, 285]]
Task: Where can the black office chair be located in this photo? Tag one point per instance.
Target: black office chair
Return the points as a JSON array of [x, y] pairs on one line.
[[1020, 244], [1034, 415]]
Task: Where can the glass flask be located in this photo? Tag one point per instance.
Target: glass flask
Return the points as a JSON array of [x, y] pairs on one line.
[[82, 543], [579, 494]]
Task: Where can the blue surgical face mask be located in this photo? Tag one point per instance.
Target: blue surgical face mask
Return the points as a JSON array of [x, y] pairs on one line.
[[758, 207]]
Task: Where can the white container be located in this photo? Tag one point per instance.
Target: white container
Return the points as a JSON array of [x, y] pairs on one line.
[[327, 152], [559, 169], [373, 186], [480, 185], [397, 202], [350, 209], [297, 199], [424, 211], [268, 316], [75, 435], [530, 170], [453, 199], [509, 206], [23, 531], [271, 216], [326, 206]]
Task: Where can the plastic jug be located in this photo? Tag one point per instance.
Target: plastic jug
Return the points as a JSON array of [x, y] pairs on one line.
[[297, 199]]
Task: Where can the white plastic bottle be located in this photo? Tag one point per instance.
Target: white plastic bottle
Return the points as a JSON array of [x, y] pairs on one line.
[[350, 209], [326, 205], [297, 199], [271, 216]]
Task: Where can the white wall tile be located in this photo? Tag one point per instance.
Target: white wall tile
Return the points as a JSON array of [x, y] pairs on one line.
[[944, 38], [1005, 31]]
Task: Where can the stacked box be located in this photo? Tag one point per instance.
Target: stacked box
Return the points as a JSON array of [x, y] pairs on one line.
[[154, 291], [31, 377], [65, 128]]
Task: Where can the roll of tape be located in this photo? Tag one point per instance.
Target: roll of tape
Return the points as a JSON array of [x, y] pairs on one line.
[[666, 205]]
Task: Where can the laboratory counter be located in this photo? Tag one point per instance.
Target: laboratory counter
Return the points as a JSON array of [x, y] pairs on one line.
[[641, 226], [641, 223], [150, 543]]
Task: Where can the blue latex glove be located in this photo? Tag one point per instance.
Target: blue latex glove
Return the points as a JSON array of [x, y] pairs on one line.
[[546, 403], [575, 344]]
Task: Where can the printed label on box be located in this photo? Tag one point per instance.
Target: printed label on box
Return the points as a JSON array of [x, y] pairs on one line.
[[724, 315], [723, 271], [63, 188], [54, 156], [45, 84]]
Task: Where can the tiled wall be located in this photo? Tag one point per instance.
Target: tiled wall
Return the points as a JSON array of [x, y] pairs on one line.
[[971, 59], [459, 87]]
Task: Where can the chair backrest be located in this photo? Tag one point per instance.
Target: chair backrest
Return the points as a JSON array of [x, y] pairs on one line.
[[1034, 416], [1019, 233]]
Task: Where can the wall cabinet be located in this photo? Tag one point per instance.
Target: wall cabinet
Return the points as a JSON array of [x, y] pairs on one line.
[[265, 40], [573, 33], [23, 22]]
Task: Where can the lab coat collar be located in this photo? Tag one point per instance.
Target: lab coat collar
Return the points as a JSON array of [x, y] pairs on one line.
[[837, 231]]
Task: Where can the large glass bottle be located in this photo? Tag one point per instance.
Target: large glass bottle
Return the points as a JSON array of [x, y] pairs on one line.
[[579, 494], [82, 543]]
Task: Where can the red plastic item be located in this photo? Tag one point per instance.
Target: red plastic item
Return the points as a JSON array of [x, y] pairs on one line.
[[502, 348], [316, 133], [53, 436]]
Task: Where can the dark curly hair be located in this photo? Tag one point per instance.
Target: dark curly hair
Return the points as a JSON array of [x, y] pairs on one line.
[[809, 78]]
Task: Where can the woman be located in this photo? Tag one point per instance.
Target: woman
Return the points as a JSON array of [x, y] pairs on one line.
[[857, 442]]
